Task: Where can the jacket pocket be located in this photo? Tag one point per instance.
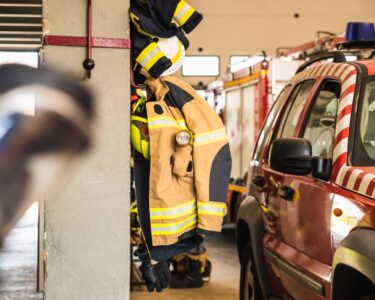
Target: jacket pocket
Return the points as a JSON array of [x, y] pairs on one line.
[[183, 161]]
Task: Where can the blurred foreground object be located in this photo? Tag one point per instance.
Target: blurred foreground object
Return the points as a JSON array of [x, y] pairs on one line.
[[45, 121]]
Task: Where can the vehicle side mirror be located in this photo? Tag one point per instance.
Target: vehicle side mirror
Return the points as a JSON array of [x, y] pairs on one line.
[[294, 156], [321, 168], [291, 156]]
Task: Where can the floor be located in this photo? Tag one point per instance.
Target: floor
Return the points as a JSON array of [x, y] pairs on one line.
[[224, 284], [18, 260], [18, 267]]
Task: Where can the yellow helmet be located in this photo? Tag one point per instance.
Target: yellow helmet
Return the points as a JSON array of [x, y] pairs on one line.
[[139, 126], [139, 135], [172, 48]]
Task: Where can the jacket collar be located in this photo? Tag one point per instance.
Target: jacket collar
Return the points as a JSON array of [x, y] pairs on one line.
[[157, 87]]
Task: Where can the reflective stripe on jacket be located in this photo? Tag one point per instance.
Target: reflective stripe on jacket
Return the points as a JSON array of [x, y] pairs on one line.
[[188, 184]]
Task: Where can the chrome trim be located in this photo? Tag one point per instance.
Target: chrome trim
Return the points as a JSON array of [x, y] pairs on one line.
[[295, 273]]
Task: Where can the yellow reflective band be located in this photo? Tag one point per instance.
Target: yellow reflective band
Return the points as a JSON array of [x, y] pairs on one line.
[[153, 60], [183, 12], [173, 228], [174, 215], [146, 51], [173, 212], [186, 16], [211, 208], [152, 209], [211, 204], [180, 5], [162, 122], [211, 213], [210, 137], [149, 56], [204, 134]]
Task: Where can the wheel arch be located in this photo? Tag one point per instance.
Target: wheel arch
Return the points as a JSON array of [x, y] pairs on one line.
[[250, 228], [354, 260]]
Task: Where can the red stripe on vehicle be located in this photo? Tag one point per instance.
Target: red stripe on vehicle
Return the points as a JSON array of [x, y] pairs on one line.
[[347, 176], [370, 188], [335, 70], [349, 90], [330, 68], [309, 72], [316, 71], [346, 111], [359, 181], [342, 71], [321, 69], [338, 70], [342, 135], [339, 162], [351, 73]]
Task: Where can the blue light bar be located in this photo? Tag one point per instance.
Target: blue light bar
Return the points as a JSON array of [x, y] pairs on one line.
[[356, 31]]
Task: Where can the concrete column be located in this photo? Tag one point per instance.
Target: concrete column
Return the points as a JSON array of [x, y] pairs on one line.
[[87, 223]]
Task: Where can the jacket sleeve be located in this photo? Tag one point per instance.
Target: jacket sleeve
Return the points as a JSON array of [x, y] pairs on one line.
[[162, 12], [186, 16], [146, 52], [211, 155]]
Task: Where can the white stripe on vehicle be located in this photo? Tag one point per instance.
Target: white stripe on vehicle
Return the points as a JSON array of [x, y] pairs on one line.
[[353, 178], [342, 124], [365, 183], [341, 148]]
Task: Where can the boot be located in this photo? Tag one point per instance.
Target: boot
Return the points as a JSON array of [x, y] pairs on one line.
[[191, 277]]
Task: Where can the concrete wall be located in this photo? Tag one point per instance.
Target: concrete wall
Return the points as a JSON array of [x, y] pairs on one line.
[[243, 27], [87, 223]]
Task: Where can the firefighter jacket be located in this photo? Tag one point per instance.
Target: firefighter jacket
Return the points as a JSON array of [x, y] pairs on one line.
[[186, 187], [152, 19]]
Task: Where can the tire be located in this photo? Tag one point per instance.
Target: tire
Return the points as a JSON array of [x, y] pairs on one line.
[[249, 283], [237, 203]]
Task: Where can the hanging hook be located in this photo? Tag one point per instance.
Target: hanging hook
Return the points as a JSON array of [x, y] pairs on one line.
[[89, 63]]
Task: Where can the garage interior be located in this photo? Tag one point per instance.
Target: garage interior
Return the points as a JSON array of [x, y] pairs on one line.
[[76, 239]]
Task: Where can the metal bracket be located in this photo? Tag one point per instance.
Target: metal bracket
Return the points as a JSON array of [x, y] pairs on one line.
[[89, 42]]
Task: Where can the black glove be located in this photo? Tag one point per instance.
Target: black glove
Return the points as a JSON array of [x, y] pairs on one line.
[[156, 276]]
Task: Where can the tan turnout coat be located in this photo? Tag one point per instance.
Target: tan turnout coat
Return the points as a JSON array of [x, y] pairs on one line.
[[188, 184]]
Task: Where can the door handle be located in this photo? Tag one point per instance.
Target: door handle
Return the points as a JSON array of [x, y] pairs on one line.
[[287, 193], [259, 181]]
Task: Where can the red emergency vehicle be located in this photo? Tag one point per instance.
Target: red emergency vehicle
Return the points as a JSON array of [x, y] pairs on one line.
[[306, 230]]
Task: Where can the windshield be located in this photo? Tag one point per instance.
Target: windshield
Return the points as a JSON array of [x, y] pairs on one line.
[[364, 149]]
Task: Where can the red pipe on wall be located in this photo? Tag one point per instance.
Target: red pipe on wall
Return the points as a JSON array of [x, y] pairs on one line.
[[89, 30]]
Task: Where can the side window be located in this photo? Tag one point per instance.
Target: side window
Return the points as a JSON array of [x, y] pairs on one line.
[[269, 124], [364, 145], [320, 125], [297, 102]]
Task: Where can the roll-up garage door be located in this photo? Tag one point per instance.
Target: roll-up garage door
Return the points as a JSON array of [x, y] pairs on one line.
[[21, 24]]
